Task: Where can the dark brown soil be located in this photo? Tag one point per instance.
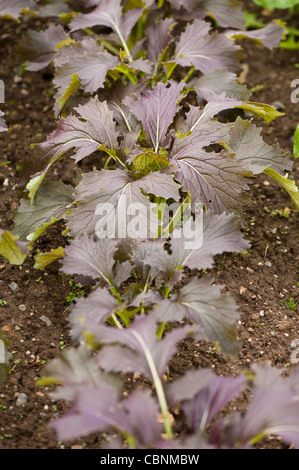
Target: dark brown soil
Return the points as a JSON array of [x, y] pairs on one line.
[[262, 283]]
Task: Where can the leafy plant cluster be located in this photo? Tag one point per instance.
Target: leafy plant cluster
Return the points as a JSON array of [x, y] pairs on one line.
[[151, 89]]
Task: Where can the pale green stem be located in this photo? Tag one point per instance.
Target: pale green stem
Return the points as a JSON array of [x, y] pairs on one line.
[[158, 385]]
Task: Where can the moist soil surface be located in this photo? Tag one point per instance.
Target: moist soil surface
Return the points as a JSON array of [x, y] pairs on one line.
[[35, 318]]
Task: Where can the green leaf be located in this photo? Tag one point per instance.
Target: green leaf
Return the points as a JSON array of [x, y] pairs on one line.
[[296, 143], [287, 184], [75, 83], [43, 259], [10, 250], [282, 4], [265, 111], [148, 161]]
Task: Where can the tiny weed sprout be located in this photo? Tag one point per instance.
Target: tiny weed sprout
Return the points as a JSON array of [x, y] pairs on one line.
[[150, 89]]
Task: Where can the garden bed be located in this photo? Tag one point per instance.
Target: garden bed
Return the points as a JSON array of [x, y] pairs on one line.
[[35, 317]]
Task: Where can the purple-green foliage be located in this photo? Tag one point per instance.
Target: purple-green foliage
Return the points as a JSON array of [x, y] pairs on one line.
[[163, 109]]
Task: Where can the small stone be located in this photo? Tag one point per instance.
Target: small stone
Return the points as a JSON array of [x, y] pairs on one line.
[[14, 287], [249, 270], [273, 230], [279, 105], [22, 307], [262, 313], [46, 320], [243, 290], [22, 399], [268, 264]]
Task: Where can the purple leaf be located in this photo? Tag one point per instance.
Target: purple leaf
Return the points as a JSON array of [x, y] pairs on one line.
[[218, 82], [13, 8], [76, 368], [228, 13], [99, 305], [158, 38], [52, 202], [108, 13], [273, 410], [125, 203], [202, 395], [90, 258], [138, 416], [204, 305], [85, 60], [206, 52], [97, 409], [270, 36], [126, 121], [214, 179], [38, 48], [92, 411], [249, 147], [136, 344], [155, 109], [97, 129], [220, 233]]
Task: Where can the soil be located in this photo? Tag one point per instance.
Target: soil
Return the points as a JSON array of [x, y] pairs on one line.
[[35, 318]]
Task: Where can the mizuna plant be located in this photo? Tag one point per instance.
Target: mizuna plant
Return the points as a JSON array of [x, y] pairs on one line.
[[152, 90]]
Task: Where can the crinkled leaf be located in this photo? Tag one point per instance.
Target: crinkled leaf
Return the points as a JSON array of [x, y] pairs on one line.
[[220, 233], [10, 248], [38, 48], [203, 394], [138, 416], [91, 412], [126, 121], [51, 204], [270, 36], [206, 52], [108, 13], [90, 258], [228, 13], [43, 259], [99, 305], [218, 82], [214, 179], [155, 109], [13, 8], [204, 305], [75, 368], [85, 63], [95, 128], [157, 39], [273, 409], [249, 147], [137, 343], [122, 192]]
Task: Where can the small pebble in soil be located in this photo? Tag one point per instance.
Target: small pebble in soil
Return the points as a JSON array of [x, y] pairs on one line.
[[22, 399], [14, 287], [268, 264], [46, 320], [22, 307]]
